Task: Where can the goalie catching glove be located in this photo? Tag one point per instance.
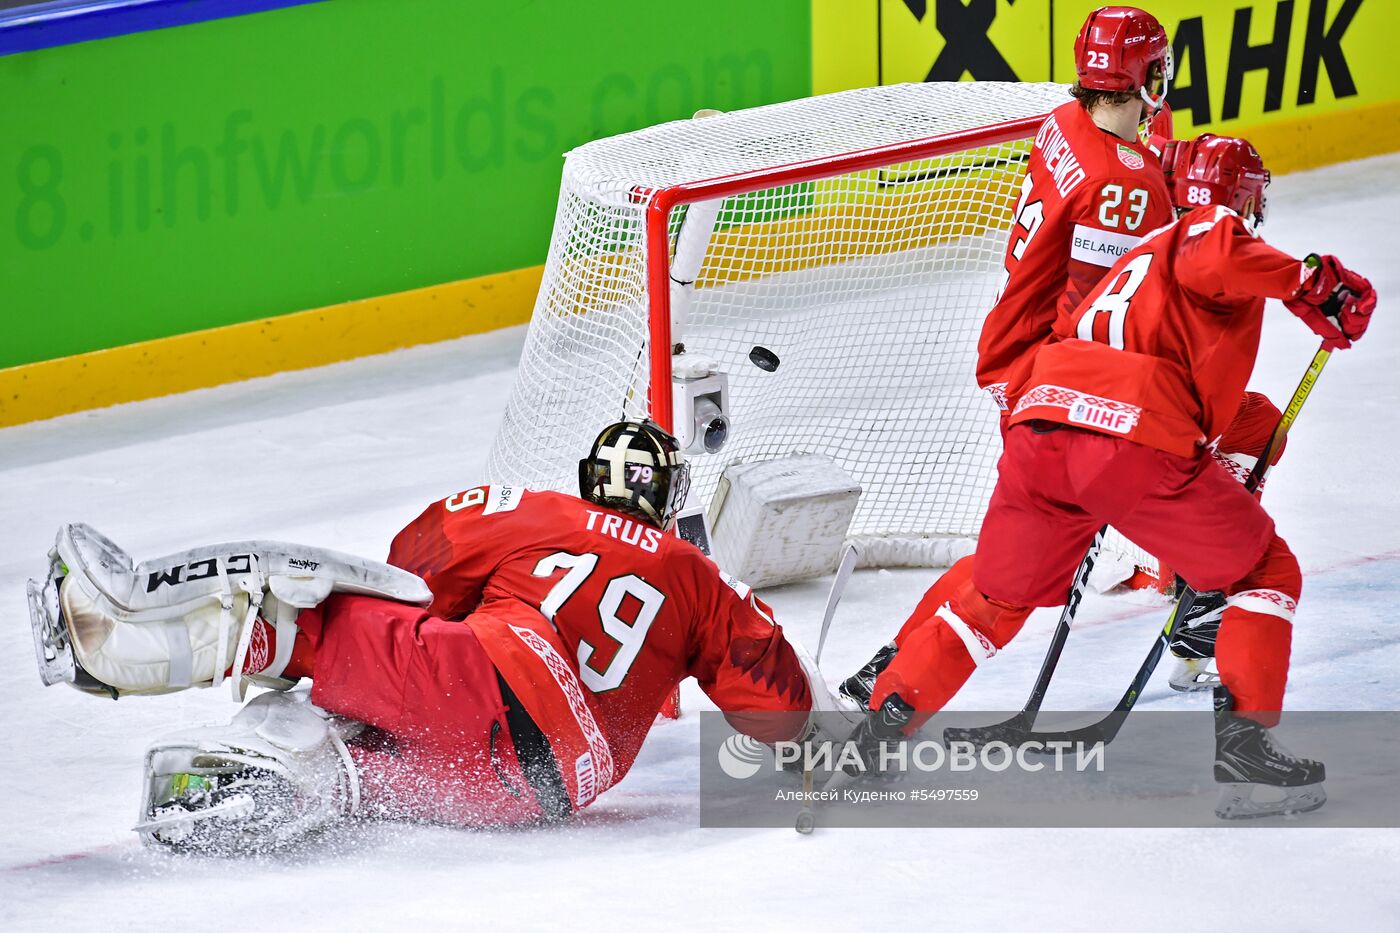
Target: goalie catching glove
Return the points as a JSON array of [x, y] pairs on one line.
[[1334, 301], [111, 627]]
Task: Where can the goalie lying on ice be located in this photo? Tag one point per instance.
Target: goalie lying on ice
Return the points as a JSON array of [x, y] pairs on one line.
[[503, 668]]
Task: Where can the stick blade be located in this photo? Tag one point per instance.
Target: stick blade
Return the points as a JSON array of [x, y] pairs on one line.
[[1013, 731], [844, 569]]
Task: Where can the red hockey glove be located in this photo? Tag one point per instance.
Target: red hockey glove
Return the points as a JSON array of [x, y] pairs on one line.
[[1335, 302]]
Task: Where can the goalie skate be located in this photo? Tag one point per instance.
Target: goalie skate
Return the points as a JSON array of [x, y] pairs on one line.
[[214, 808], [1260, 776], [53, 648], [277, 772]]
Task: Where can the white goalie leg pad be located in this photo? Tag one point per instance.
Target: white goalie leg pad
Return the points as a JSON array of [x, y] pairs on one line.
[[278, 771], [107, 625]]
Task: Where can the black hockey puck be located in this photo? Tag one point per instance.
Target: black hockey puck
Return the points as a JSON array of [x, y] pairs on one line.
[[764, 358]]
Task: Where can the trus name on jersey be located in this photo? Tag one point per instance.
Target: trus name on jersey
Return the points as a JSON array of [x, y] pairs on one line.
[[625, 530]]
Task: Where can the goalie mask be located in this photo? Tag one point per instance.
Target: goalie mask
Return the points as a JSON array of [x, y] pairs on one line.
[[1217, 170], [637, 468]]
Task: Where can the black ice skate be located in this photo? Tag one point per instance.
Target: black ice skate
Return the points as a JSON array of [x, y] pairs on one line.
[[1194, 644], [1248, 757], [859, 686], [877, 732]]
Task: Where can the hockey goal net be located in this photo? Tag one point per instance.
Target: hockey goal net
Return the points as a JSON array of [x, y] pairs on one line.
[[858, 236]]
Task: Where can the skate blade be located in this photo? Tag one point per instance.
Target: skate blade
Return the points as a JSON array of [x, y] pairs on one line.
[[53, 649], [174, 826], [1237, 801]]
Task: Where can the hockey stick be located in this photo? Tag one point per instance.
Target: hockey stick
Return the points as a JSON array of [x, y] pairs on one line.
[[1106, 729], [806, 820], [1017, 727], [838, 588]]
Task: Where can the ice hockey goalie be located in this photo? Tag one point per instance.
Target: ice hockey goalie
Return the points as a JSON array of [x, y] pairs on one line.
[[502, 668]]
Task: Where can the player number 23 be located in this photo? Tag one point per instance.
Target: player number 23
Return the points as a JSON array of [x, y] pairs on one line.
[[628, 635], [1113, 209]]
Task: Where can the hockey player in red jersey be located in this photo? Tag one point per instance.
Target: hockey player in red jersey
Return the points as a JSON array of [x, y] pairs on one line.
[[1092, 189], [553, 629], [1091, 192], [1113, 423]]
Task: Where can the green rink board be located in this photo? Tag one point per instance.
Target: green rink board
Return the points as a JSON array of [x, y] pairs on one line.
[[169, 181]]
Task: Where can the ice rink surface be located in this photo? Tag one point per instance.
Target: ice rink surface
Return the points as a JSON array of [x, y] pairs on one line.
[[343, 456]]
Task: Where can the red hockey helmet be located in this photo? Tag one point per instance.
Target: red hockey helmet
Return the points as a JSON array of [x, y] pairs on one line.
[[1122, 48], [1217, 170]]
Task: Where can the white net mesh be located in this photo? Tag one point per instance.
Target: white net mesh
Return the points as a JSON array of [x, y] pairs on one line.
[[870, 287]]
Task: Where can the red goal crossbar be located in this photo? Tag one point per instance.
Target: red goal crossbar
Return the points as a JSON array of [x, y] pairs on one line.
[[664, 200]]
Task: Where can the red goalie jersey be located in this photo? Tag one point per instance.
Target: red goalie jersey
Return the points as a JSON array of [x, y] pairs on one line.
[[1088, 197], [544, 577], [1161, 351]]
